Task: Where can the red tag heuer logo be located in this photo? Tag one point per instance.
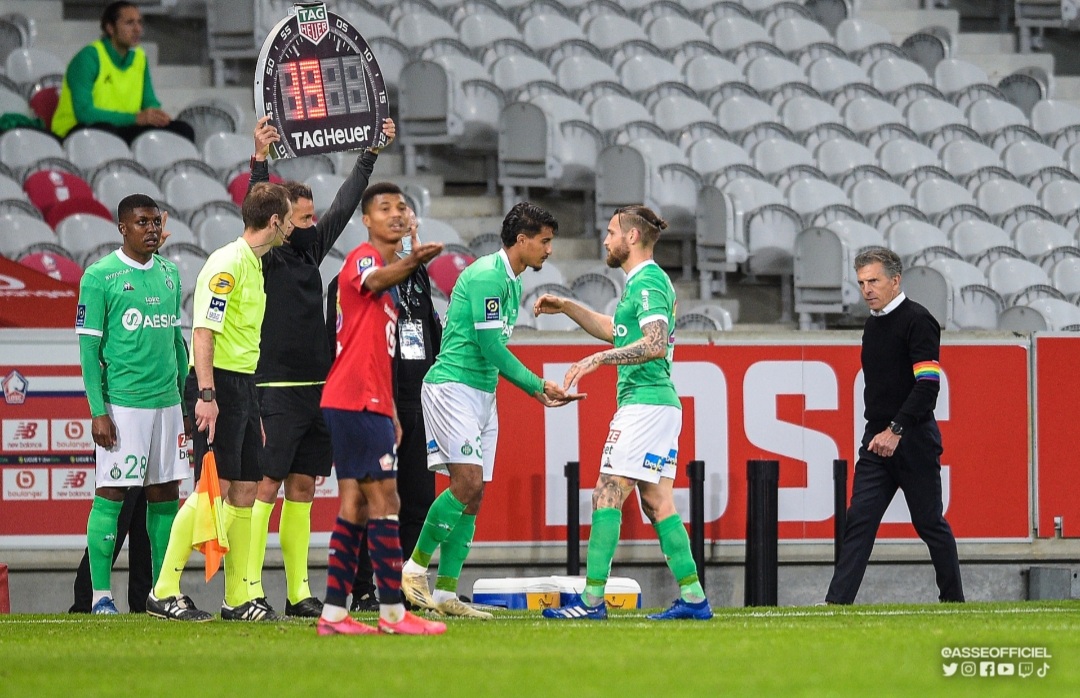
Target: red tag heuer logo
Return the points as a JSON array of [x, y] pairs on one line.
[[313, 23]]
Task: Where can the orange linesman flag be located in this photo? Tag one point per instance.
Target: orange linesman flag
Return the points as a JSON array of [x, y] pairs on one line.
[[209, 536]]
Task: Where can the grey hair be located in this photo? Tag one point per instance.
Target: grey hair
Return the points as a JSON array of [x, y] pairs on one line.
[[890, 261]]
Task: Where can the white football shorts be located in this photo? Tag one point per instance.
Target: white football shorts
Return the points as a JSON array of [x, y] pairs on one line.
[[461, 425], [643, 443], [150, 449]]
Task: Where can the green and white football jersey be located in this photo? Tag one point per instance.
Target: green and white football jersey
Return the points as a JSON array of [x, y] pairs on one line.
[[135, 310], [482, 312], [647, 297]]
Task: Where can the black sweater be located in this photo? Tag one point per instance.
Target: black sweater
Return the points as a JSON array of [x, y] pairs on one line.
[[293, 346], [892, 345]]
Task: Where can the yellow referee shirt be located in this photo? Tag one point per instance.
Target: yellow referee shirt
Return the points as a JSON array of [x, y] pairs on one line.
[[230, 301]]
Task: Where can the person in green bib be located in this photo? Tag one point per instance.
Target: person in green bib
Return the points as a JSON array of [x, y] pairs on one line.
[[107, 84], [133, 360], [457, 397], [643, 439]]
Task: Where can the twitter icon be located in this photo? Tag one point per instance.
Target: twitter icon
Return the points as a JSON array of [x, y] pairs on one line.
[[949, 669]]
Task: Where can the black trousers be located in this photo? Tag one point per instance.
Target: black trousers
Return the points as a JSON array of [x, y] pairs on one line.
[[131, 524], [416, 488], [915, 469], [130, 133]]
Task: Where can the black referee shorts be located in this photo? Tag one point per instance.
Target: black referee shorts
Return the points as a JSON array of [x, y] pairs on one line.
[[297, 440], [238, 432]]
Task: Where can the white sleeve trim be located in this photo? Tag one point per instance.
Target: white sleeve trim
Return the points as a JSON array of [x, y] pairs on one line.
[[366, 273], [490, 325], [651, 318], [87, 330]]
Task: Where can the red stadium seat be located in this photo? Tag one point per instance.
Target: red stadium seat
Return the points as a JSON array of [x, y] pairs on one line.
[[239, 185], [46, 188], [44, 102], [57, 266], [446, 268], [62, 209]]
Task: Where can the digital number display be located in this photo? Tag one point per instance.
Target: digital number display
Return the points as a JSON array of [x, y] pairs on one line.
[[314, 88], [319, 81]]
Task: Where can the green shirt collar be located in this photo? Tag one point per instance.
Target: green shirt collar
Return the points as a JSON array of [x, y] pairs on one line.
[[122, 63]]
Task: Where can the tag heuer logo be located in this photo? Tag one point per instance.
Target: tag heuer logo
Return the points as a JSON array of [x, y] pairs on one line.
[[312, 20]]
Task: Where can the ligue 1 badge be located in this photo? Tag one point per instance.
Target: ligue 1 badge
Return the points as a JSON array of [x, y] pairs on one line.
[[321, 85]]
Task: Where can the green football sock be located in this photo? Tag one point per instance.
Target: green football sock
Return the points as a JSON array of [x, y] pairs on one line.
[[178, 550], [675, 545], [295, 532], [260, 525], [454, 551], [443, 516], [159, 521], [603, 539], [238, 529], [101, 541]]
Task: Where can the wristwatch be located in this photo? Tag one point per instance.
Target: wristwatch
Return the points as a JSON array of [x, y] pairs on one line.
[[896, 428], [207, 394]]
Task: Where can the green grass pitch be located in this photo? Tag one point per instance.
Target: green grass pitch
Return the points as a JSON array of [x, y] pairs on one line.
[[869, 651]]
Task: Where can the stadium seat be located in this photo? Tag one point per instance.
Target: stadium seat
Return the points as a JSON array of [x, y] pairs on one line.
[[935, 195], [774, 155], [192, 190], [928, 114], [854, 35], [449, 99], [1024, 158], [953, 75], [188, 259], [1060, 198], [21, 235], [57, 266], [302, 168], [217, 230], [1035, 239], [596, 289], [26, 66], [704, 317], [1065, 277], [705, 73], [445, 269], [1060, 315], [864, 114], [711, 154], [610, 113], [973, 304], [575, 73], [81, 232], [911, 239], [156, 150], [419, 30], [837, 156], [1019, 281], [892, 74], [642, 73], [14, 103], [997, 197], [547, 275], [972, 238], [609, 30], [22, 147], [324, 187], [872, 196], [513, 72], [227, 153], [434, 230], [89, 206], [89, 148], [43, 101], [110, 188], [739, 114], [238, 186], [961, 158], [485, 244], [208, 117], [824, 272], [669, 32], [808, 196], [46, 188], [794, 34], [802, 114], [546, 31], [900, 156], [9, 189], [732, 33], [830, 74]]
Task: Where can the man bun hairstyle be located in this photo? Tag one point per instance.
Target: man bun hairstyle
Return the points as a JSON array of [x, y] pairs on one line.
[[526, 218], [644, 219], [890, 261]]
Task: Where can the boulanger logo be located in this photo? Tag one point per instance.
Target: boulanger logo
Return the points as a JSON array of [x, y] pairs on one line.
[[132, 319]]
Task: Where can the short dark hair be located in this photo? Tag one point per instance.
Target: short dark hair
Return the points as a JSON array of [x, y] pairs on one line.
[[526, 218], [263, 201], [132, 202], [112, 12], [890, 261], [644, 219], [297, 190], [376, 189]]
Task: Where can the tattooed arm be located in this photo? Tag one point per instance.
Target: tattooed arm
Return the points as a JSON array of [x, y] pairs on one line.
[[651, 346]]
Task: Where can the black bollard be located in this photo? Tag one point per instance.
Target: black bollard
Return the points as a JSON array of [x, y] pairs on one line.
[[572, 471], [839, 476], [696, 471], [762, 494]]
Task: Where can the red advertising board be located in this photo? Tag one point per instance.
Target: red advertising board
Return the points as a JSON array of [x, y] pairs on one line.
[[1057, 383], [798, 403]]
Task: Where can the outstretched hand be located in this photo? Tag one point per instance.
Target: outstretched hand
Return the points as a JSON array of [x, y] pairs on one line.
[[579, 370], [554, 396], [389, 130], [548, 304]]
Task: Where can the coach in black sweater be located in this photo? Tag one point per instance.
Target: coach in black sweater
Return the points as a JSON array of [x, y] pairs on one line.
[[901, 447]]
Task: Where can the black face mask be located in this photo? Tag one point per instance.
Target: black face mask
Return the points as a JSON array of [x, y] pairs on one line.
[[303, 238]]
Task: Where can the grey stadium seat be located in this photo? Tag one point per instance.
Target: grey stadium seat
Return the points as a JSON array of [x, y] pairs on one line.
[[928, 114], [669, 32], [935, 195], [854, 35], [971, 238], [21, 235], [596, 289], [156, 150], [511, 73], [871, 196], [81, 232], [796, 33], [22, 147], [324, 187], [549, 142], [911, 238], [685, 119], [900, 156], [1020, 281], [961, 158], [837, 156], [956, 292], [217, 230], [731, 33], [864, 114], [1036, 239], [808, 196], [1024, 158], [1060, 198], [227, 153], [766, 73], [191, 190], [892, 74], [824, 274], [774, 155], [953, 75], [1065, 276], [449, 100], [1059, 315], [713, 153], [546, 31], [706, 72], [607, 31], [802, 113], [111, 187]]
